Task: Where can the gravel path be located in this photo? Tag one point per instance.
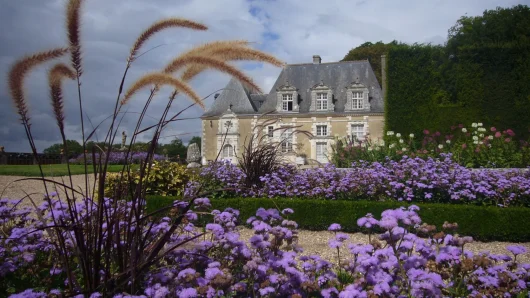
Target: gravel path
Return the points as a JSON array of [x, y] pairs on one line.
[[312, 242], [13, 189]]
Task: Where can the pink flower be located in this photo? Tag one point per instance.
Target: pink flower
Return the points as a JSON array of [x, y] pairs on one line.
[[460, 125], [464, 146], [507, 140], [493, 129], [437, 133], [510, 132], [425, 132], [497, 134], [477, 150]]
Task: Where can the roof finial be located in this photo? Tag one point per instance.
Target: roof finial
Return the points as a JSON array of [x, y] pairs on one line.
[[230, 107], [286, 83], [321, 83]]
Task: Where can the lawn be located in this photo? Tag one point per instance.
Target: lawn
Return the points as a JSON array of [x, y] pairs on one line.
[[49, 170]]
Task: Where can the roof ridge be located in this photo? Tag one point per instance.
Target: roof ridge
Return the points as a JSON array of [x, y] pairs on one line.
[[337, 62]]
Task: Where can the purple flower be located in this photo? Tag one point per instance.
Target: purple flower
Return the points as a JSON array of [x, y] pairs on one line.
[[266, 291], [188, 293], [334, 227], [516, 249]]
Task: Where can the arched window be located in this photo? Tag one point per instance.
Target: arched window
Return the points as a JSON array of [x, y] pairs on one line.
[[228, 151]]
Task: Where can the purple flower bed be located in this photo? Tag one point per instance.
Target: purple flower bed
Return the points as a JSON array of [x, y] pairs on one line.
[[409, 258], [117, 158], [409, 179]]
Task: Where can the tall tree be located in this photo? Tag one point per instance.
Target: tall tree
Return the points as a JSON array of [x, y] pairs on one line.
[[493, 27], [175, 148], [371, 52]]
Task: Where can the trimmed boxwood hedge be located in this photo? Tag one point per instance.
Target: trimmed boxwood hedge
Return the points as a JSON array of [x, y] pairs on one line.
[[485, 223], [430, 88]]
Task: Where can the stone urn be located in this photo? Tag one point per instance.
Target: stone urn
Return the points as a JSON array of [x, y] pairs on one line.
[[194, 156]]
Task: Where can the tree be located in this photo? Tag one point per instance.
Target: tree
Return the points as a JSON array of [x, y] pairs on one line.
[[371, 52], [494, 27], [196, 140], [175, 148], [74, 148]]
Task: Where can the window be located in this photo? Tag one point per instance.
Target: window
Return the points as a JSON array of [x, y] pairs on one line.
[[357, 131], [322, 130], [357, 100], [287, 102], [322, 152], [287, 140], [322, 101], [270, 131], [228, 151]]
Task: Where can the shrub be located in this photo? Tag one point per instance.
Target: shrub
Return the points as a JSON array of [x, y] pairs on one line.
[[484, 223], [164, 178]]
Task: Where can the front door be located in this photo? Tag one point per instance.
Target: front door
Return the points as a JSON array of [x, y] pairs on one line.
[[322, 152]]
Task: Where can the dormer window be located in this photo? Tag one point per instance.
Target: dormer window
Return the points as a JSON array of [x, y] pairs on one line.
[[357, 100], [287, 99], [322, 101], [287, 102], [321, 98]]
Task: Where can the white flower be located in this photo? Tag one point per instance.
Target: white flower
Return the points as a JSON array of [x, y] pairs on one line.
[[464, 129], [398, 135], [448, 141], [479, 124], [404, 149], [389, 133], [392, 146], [369, 148], [411, 136], [440, 146], [473, 125], [376, 148], [480, 143], [475, 138], [481, 135], [482, 129], [382, 142], [490, 137], [401, 141], [475, 142]]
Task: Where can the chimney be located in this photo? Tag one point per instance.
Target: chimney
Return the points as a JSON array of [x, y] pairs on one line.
[[316, 59], [383, 75]]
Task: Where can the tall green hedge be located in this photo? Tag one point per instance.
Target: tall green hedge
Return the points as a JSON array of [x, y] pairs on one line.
[[483, 223], [431, 89]]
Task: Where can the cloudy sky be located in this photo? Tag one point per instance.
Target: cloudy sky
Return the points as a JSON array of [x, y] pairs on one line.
[[292, 30]]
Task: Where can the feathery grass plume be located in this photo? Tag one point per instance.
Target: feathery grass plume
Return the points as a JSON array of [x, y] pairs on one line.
[[230, 54], [159, 26], [18, 73], [217, 64], [73, 24], [55, 77], [159, 79]]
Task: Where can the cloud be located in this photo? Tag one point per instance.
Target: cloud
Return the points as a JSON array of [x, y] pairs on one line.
[[291, 30]]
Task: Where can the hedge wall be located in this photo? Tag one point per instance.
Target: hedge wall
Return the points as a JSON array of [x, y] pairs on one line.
[[483, 223], [431, 89]]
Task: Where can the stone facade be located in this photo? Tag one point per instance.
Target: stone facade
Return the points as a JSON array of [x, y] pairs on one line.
[[336, 126]]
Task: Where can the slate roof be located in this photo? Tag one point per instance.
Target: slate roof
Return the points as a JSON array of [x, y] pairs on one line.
[[234, 94], [336, 75]]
